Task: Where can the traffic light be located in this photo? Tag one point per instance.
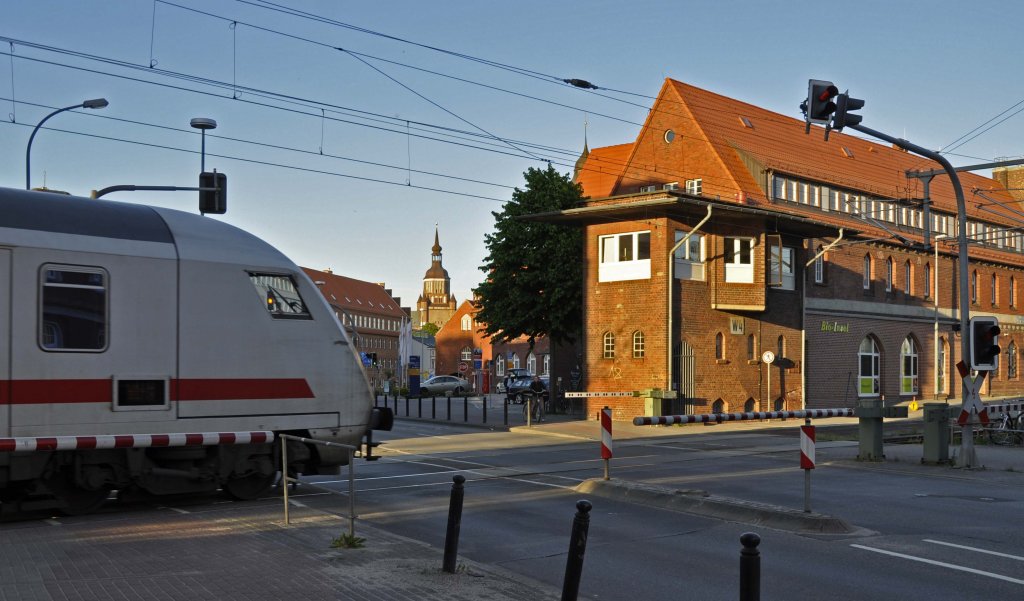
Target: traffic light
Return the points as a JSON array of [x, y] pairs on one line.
[[213, 200], [845, 104], [818, 107], [984, 343]]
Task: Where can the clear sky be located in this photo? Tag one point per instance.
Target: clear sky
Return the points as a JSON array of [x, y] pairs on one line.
[[344, 148]]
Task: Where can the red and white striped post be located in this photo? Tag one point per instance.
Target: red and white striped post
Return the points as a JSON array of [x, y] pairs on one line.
[[606, 438], [807, 460]]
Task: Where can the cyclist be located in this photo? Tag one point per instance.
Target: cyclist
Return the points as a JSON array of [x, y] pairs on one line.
[[537, 389]]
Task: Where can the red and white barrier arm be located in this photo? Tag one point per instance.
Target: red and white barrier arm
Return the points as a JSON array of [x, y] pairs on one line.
[[667, 420], [133, 441]]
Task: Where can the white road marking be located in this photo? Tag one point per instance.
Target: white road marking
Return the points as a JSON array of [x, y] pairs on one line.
[[295, 503], [941, 564], [975, 549], [179, 510], [54, 522]]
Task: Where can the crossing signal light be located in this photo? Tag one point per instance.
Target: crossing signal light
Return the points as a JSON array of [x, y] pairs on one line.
[[214, 198], [818, 107], [984, 343], [843, 117]]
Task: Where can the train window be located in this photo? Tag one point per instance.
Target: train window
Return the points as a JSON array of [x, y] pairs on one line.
[[74, 309], [280, 296], [140, 393]]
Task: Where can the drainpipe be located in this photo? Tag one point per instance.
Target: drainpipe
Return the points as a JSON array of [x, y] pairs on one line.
[[671, 284]]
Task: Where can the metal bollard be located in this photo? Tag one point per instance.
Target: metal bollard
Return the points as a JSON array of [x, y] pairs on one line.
[[750, 567], [433, 407], [465, 408], [577, 547], [451, 537], [419, 407], [505, 409], [449, 399], [485, 407], [406, 406]]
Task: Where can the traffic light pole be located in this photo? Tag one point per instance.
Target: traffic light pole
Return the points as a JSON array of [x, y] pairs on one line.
[[968, 457]]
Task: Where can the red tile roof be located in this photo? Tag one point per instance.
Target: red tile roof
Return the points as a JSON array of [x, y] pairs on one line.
[[355, 296]]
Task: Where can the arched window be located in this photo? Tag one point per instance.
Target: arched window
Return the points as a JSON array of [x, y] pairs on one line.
[[974, 287], [609, 345], [719, 346], [718, 406], [639, 347], [868, 370], [751, 348], [867, 272], [995, 290], [908, 367], [927, 280], [908, 278], [466, 354], [819, 267], [1011, 361], [547, 364], [499, 365], [782, 348], [467, 323], [515, 361], [750, 406], [1012, 292], [780, 404], [531, 363], [888, 274]]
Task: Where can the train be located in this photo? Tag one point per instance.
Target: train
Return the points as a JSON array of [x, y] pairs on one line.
[[124, 322]]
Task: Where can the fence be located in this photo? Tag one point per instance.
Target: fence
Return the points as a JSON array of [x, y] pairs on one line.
[[479, 409], [286, 479]]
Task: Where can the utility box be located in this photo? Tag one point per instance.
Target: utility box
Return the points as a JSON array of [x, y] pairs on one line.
[[869, 420], [936, 433]]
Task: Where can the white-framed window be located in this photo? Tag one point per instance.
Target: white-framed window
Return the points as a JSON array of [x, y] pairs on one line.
[[648, 188], [467, 323], [499, 365], [995, 290], [927, 280], [515, 361], [908, 367], [888, 274], [466, 354], [689, 258], [624, 257], [608, 343], [908, 278], [531, 363], [974, 287], [694, 186], [639, 346], [819, 267], [671, 186], [868, 362], [782, 272], [739, 260], [547, 364], [941, 352]]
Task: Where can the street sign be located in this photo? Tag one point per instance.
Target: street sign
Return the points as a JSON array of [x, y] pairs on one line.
[[807, 447], [768, 357], [972, 400], [463, 367]]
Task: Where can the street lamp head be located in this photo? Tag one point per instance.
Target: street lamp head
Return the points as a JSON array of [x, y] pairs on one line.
[[95, 103], [203, 123]]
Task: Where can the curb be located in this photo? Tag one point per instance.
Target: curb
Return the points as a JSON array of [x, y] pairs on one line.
[[701, 503]]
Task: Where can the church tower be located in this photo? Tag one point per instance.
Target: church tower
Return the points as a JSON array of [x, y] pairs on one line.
[[436, 303]]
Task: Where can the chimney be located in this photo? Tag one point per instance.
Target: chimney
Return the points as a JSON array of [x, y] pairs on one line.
[[1011, 178]]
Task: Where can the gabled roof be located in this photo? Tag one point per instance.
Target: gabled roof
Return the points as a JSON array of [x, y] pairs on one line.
[[355, 296], [746, 139]]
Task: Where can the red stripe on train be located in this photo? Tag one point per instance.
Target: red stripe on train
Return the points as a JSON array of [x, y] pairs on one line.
[[39, 392]]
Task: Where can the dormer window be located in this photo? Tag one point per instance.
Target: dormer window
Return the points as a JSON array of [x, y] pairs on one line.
[[694, 186], [671, 186], [644, 189]]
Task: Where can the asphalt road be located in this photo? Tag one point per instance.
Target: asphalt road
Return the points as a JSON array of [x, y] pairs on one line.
[[922, 534]]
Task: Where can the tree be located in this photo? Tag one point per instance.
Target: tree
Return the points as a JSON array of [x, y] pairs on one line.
[[533, 284], [430, 329]]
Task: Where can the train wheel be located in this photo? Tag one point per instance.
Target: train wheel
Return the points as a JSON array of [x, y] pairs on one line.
[[247, 488], [73, 500]]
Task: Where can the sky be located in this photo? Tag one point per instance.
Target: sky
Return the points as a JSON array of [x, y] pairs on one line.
[[349, 130]]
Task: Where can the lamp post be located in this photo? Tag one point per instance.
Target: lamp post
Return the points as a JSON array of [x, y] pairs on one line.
[[203, 124], [96, 103], [935, 294]]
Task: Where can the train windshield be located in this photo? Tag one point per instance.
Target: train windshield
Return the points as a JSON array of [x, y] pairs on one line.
[[280, 295]]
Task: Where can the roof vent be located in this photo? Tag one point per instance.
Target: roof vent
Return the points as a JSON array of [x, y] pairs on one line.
[[746, 122], [847, 152]]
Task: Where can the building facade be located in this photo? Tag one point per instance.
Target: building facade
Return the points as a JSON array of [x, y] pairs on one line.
[[746, 265]]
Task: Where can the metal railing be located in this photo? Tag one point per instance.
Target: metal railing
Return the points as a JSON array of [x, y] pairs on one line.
[[286, 479]]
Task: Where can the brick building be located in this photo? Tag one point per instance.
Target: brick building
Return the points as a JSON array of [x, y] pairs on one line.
[[822, 252], [371, 315], [436, 303]]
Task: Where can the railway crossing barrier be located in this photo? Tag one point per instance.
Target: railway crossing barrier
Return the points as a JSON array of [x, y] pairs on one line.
[[287, 479]]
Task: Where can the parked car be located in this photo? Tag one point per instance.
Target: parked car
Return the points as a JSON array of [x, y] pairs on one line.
[[511, 374], [518, 388], [443, 384]]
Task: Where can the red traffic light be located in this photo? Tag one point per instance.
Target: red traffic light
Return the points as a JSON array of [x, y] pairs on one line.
[[828, 93], [818, 107]]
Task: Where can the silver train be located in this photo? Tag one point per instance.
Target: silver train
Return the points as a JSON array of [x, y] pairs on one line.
[[126, 322]]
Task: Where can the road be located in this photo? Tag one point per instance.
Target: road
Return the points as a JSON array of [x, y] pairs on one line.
[[922, 534]]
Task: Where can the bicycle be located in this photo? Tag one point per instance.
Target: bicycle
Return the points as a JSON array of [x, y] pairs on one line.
[[533, 407], [1008, 429]]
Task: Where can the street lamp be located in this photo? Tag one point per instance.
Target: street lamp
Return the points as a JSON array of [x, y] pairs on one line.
[[203, 124], [96, 103], [935, 291]]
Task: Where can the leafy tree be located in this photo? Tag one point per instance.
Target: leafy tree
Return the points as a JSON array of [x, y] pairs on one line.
[[533, 284], [430, 329]]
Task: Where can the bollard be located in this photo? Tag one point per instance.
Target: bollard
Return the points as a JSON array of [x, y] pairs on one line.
[[465, 408], [451, 537], [577, 547], [750, 567], [505, 411], [449, 397], [485, 407], [419, 407], [407, 405], [433, 408]]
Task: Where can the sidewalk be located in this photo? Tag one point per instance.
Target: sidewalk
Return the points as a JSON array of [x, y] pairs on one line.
[[235, 551]]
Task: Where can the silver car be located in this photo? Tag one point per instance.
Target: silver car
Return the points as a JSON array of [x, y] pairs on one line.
[[443, 384]]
